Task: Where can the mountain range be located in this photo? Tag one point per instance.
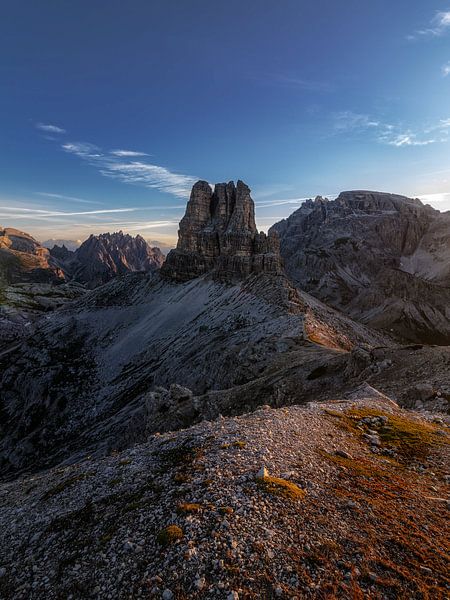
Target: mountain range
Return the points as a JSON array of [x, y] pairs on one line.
[[35, 280], [102, 257], [383, 259], [273, 399]]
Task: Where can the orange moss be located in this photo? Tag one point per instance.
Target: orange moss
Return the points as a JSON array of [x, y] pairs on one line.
[[188, 507], [281, 487], [169, 535]]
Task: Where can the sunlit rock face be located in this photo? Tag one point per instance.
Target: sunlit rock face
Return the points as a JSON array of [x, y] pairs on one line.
[[382, 258], [218, 234]]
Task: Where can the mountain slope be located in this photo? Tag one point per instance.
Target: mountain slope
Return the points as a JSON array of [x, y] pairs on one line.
[[347, 509], [24, 260], [31, 284], [86, 380], [381, 258]]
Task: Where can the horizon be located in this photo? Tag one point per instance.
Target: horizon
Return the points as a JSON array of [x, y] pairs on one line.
[[297, 101], [165, 247]]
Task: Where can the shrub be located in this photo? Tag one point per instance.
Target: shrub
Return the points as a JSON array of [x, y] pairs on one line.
[[169, 535]]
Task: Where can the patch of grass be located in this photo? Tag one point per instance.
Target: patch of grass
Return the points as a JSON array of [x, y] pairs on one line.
[[360, 467], [225, 510], [115, 481], [239, 444], [188, 507], [169, 535], [280, 487], [180, 456], [411, 438], [63, 485], [181, 478]]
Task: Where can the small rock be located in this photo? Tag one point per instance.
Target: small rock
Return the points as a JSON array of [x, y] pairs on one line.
[[167, 595], [343, 454], [200, 583], [263, 472]]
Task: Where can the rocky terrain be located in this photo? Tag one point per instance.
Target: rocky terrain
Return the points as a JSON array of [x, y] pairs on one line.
[[31, 284], [84, 381], [35, 280], [218, 235], [211, 430], [382, 259], [344, 499], [102, 257], [24, 260]]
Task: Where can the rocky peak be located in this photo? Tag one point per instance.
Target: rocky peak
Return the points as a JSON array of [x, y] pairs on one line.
[[218, 234], [61, 252], [381, 258], [102, 257]]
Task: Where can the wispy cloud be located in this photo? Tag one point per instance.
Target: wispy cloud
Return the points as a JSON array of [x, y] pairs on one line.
[[123, 168], [292, 80], [351, 123], [50, 128], [446, 69], [130, 153], [404, 139], [439, 25], [34, 213], [71, 198], [348, 120]]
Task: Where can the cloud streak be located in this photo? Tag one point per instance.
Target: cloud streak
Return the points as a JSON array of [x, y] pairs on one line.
[[350, 123], [34, 213], [439, 25], [129, 153], [446, 70], [119, 165], [50, 128], [70, 198], [293, 81]]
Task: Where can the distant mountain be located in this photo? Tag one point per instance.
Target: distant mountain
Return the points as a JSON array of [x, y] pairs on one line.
[[165, 248], [381, 258], [31, 283], [69, 244], [220, 317], [24, 260], [102, 257]]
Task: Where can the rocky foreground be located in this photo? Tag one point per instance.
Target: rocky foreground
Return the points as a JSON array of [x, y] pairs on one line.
[[344, 499]]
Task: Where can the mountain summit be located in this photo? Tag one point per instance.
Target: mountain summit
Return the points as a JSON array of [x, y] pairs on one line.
[[218, 234], [102, 257], [382, 258]]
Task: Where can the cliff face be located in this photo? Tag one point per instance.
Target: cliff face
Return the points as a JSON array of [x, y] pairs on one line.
[[102, 257], [218, 234], [383, 259], [24, 260]]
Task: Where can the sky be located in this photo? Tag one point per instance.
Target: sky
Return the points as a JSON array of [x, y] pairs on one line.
[[110, 111]]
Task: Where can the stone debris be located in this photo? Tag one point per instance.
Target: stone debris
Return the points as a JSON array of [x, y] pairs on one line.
[[95, 529]]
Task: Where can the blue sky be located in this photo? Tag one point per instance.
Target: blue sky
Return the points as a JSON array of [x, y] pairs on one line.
[[109, 111]]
